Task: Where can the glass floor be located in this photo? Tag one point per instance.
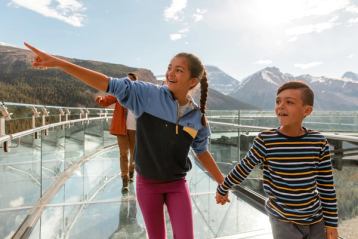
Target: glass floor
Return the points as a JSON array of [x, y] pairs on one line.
[[90, 205], [107, 213]]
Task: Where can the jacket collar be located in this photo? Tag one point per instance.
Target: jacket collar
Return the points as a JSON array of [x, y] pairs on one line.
[[190, 98]]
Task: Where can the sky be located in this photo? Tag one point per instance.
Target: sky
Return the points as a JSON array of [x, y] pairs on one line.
[[317, 37]]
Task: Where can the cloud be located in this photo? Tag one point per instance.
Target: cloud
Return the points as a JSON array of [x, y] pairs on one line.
[[263, 62], [172, 12], [323, 7], [199, 14], [312, 28], [175, 36], [352, 21], [179, 35], [308, 65], [68, 11], [292, 39], [17, 202], [352, 9]]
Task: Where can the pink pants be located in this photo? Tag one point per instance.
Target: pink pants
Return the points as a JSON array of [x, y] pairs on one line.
[[152, 195]]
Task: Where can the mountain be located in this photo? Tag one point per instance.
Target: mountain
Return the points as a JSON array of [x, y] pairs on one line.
[[20, 83], [260, 89], [350, 76], [220, 81], [218, 101]]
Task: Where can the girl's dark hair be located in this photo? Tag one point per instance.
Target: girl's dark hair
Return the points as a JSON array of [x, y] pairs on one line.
[[132, 75], [197, 70]]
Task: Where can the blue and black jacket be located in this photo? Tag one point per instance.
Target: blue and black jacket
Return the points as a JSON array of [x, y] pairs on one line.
[[163, 139]]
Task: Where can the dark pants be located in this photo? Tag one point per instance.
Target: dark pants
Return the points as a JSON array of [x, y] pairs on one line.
[[289, 230]]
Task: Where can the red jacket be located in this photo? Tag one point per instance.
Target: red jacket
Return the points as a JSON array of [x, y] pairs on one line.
[[119, 124]]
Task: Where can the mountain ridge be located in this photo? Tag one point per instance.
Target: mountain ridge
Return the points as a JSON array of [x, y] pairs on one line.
[[20, 83]]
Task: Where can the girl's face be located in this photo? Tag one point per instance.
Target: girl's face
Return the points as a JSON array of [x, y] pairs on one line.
[[178, 77]]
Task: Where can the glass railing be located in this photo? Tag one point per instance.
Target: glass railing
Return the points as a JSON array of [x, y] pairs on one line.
[[73, 168], [104, 212], [61, 180], [39, 144], [233, 133], [327, 121]]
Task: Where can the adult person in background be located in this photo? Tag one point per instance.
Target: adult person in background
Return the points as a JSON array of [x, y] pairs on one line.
[[123, 126]]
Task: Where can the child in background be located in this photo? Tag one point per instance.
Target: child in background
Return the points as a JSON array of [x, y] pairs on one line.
[[297, 171], [123, 126]]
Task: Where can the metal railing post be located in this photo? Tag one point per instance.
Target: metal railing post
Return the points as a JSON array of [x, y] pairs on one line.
[[45, 114], [5, 116], [35, 114], [67, 113]]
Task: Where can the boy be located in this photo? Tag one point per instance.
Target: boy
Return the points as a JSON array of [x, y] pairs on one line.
[[297, 171]]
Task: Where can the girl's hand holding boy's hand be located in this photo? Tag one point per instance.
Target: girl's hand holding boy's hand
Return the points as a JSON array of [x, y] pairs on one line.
[[220, 199]]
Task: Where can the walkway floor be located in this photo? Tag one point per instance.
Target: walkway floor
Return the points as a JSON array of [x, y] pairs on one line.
[[110, 214]]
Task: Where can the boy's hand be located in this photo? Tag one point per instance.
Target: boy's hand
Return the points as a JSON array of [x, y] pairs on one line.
[[221, 199], [331, 233]]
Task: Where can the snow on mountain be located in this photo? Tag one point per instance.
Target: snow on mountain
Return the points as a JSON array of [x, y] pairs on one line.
[[221, 81], [330, 93]]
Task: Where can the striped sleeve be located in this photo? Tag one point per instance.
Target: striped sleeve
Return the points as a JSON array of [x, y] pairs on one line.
[[254, 156], [326, 188]]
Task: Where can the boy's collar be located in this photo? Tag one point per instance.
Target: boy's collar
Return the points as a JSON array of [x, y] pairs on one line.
[[292, 137]]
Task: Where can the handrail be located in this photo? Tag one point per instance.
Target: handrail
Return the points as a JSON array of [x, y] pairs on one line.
[[337, 136], [41, 128], [5, 139], [51, 106]]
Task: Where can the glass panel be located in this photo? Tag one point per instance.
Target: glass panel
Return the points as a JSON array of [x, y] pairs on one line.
[[74, 143], [53, 156], [108, 138], [10, 221], [99, 172], [347, 195], [35, 233], [52, 222], [20, 173], [93, 136], [212, 220]]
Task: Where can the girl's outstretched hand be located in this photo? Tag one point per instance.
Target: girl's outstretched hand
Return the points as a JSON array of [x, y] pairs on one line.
[[220, 199], [92, 78], [42, 59]]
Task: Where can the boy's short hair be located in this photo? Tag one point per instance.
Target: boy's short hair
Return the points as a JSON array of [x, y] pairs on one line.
[[307, 93]]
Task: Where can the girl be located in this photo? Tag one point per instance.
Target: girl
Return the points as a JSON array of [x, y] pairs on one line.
[[168, 123]]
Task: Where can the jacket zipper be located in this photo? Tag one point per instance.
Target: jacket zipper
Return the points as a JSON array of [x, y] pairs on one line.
[[177, 123]]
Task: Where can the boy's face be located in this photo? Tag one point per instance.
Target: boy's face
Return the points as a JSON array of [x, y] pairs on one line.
[[290, 109]]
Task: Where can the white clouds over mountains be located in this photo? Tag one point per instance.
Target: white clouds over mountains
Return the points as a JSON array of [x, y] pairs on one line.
[[174, 10], [68, 11]]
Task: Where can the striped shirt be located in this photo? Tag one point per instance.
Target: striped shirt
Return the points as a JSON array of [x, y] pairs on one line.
[[297, 176]]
